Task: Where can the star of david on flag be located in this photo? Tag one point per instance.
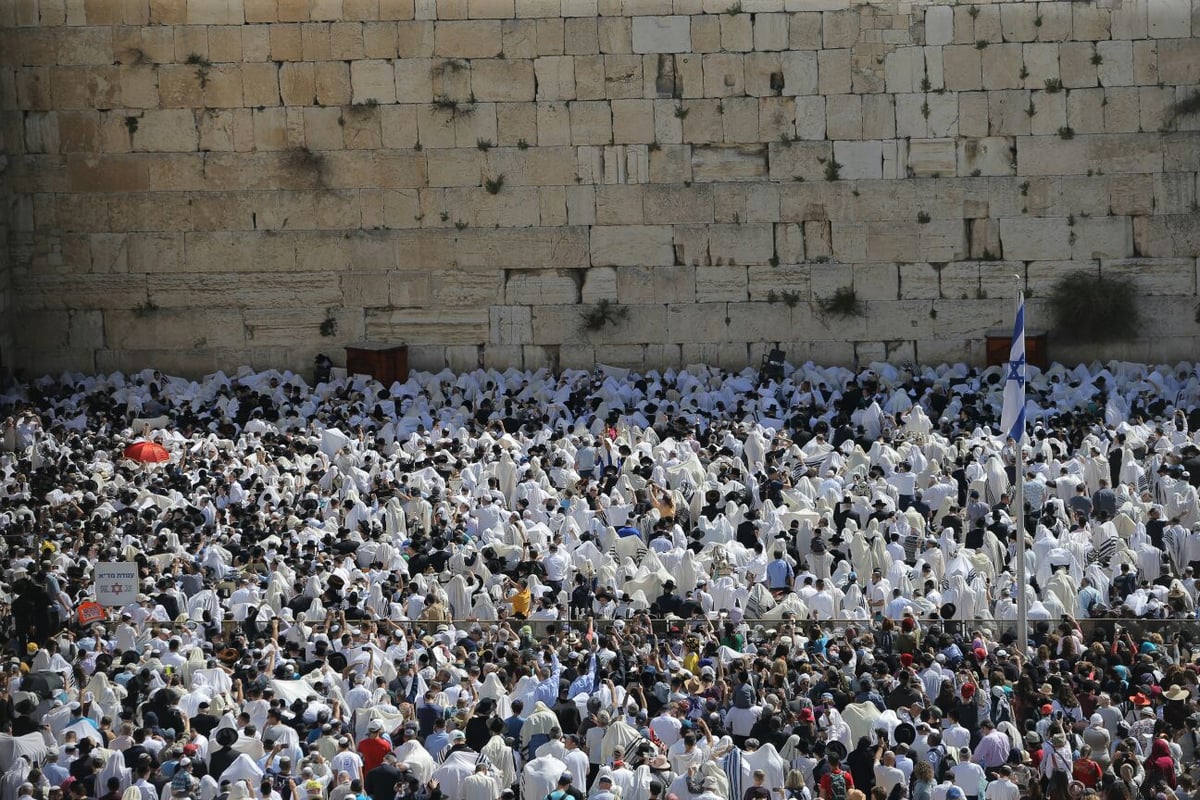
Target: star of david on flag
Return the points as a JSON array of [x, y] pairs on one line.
[[1012, 415]]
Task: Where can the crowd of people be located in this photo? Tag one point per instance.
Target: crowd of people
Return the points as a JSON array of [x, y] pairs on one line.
[[687, 585]]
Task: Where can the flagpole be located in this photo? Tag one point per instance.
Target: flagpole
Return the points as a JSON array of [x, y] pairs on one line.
[[1019, 499]]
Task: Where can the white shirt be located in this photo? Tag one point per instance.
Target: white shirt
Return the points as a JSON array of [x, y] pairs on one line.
[[1002, 789], [479, 786], [666, 728], [888, 777]]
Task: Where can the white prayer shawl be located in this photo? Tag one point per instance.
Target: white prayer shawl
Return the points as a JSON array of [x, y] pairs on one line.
[[618, 734], [418, 759], [243, 768], [12, 748], [114, 767], [502, 759], [14, 776], [861, 719], [540, 776], [492, 688], [767, 759], [454, 770]]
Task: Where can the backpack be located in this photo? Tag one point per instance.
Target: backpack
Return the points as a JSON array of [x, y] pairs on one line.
[[837, 786]]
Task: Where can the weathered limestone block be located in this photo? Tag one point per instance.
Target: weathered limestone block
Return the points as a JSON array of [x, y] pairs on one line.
[[724, 75], [599, 283], [1174, 193], [662, 34], [1125, 153], [1155, 277], [536, 287], [741, 244], [932, 157], [810, 117], [670, 284], [1042, 156], [1018, 22], [1086, 109], [1001, 65], [859, 160], [1008, 113], [1167, 236], [989, 155], [962, 66], [759, 322], [510, 325], [591, 122], [424, 326], [632, 245], [698, 322], [833, 72], [973, 114], [1076, 64], [677, 203], [843, 116], [1051, 114], [1167, 20], [799, 160], [1103, 237], [800, 72], [1056, 22], [473, 39], [1090, 23], [373, 80], [1035, 239], [728, 163], [722, 284], [939, 25], [175, 328], [1129, 20], [1179, 60]]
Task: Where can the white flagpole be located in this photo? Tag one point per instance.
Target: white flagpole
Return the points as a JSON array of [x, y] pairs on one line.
[[1019, 499]]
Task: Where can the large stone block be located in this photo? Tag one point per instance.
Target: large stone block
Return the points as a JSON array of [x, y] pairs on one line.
[[662, 34], [728, 163], [986, 156], [932, 157], [741, 244], [642, 285], [473, 39], [1164, 277], [721, 284], [1035, 239], [632, 245]]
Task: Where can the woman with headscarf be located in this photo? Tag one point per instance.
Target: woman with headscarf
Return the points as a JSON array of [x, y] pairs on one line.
[[1160, 767]]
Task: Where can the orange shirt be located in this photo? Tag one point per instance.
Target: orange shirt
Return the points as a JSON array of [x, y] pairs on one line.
[[521, 602]]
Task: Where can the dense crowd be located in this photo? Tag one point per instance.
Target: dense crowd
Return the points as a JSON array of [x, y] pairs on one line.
[[688, 585]]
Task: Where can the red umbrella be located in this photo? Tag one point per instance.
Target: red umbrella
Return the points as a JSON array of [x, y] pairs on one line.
[[147, 452]]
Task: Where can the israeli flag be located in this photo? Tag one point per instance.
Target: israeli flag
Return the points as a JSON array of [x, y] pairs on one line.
[[1012, 417]]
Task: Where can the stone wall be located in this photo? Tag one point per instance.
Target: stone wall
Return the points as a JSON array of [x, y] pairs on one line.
[[201, 183]]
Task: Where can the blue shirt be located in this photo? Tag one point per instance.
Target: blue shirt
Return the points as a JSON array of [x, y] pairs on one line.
[[547, 690], [512, 727], [437, 742], [780, 574]]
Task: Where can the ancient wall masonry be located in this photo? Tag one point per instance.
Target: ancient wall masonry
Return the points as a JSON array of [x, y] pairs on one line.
[[196, 184]]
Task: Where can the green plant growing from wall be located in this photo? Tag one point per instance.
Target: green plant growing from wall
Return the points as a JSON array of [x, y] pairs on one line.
[[494, 185], [604, 312], [1090, 307], [145, 308], [843, 303], [202, 65], [329, 325]]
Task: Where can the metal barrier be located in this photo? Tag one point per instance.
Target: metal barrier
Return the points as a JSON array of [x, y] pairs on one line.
[[1094, 629]]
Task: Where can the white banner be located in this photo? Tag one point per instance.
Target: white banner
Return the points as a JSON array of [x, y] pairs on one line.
[[116, 583]]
